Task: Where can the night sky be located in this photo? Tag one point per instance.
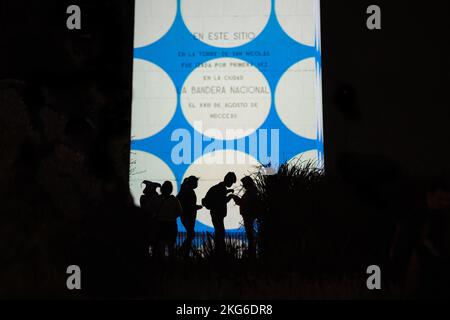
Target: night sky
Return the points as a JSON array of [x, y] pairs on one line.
[[385, 91]]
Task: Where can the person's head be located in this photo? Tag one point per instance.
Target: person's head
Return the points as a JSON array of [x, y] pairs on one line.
[[248, 183], [230, 179], [150, 187], [189, 183], [166, 188], [192, 182]]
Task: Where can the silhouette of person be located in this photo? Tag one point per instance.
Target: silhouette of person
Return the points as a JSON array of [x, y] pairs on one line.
[[149, 194], [188, 201], [146, 201], [167, 210], [250, 209], [216, 201]]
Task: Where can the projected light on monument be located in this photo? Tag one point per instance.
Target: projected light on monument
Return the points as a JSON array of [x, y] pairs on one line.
[[223, 85]]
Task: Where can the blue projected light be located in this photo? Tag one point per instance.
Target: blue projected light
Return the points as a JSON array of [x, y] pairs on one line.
[[223, 85]]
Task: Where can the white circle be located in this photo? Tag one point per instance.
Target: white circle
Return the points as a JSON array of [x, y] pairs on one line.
[[154, 99], [211, 169], [311, 156], [295, 99], [146, 166], [153, 18], [298, 19], [226, 99], [226, 23]]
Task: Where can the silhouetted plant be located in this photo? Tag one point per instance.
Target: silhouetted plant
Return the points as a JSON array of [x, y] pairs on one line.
[[234, 247], [288, 197]]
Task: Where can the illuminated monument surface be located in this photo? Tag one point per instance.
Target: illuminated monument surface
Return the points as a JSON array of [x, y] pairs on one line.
[[223, 85]]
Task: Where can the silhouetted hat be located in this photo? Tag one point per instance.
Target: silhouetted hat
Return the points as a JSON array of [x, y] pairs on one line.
[[150, 184]]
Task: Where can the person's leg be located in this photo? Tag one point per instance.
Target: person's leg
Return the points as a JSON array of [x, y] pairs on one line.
[[249, 231], [152, 238], [172, 237], [219, 233], [190, 234], [159, 240], [184, 247], [215, 225]]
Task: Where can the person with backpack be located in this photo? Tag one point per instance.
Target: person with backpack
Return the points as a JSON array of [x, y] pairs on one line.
[[216, 201]]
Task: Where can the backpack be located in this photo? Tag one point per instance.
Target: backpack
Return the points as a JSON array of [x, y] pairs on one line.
[[208, 200]]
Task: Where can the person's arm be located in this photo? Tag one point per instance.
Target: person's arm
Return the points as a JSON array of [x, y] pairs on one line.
[[142, 201], [237, 199], [178, 208], [194, 200], [229, 196]]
